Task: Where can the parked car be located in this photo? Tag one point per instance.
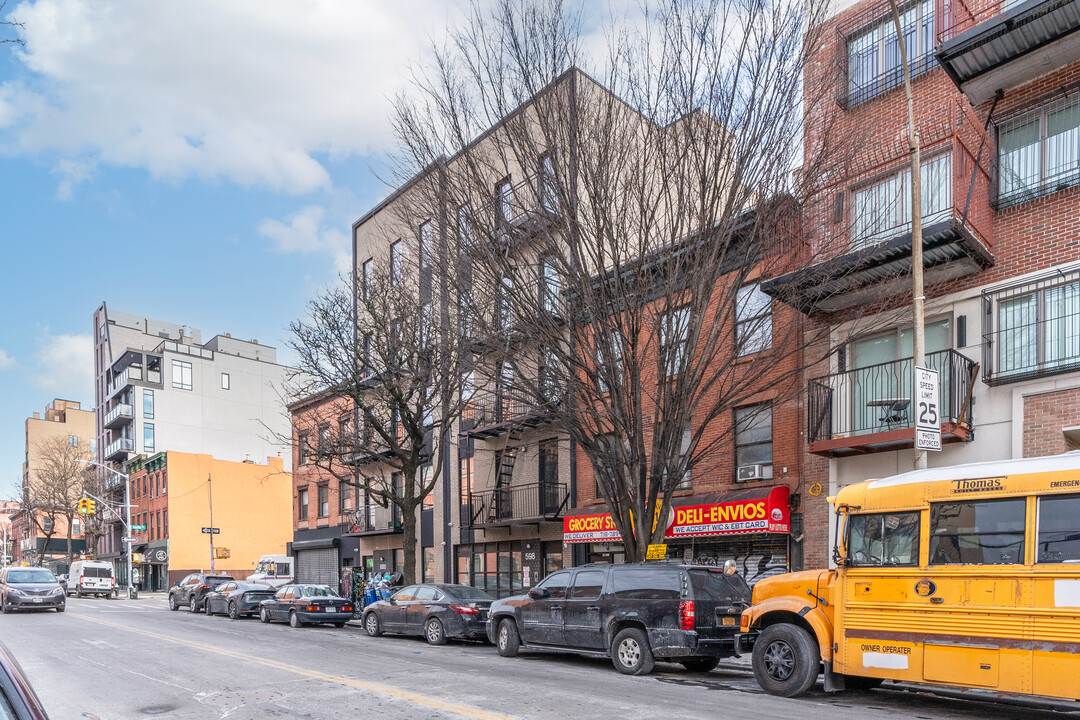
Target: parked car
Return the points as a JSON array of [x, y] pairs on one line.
[[27, 588], [191, 591], [63, 580], [236, 599], [304, 603], [91, 577], [436, 612], [634, 614], [17, 697]]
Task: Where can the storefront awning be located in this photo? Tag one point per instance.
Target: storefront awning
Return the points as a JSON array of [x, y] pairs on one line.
[[753, 510]]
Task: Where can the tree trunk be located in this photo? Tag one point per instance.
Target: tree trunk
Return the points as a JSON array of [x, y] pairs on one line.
[[408, 540]]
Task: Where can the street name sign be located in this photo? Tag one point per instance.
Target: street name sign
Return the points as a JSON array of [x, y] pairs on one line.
[[211, 531], [129, 540], [927, 412], [138, 527]]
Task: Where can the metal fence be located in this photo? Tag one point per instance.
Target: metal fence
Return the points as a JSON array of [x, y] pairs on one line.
[[517, 502]]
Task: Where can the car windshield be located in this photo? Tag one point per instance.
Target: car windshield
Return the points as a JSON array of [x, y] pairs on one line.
[[469, 593], [31, 576], [318, 591]]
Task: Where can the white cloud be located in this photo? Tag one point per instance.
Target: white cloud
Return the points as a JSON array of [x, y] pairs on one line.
[[64, 366], [304, 232], [6, 361], [251, 93]]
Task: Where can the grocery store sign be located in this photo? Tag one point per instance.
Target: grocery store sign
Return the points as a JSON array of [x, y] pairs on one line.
[[768, 513]]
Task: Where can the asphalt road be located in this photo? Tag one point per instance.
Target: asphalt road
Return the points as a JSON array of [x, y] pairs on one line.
[[136, 659]]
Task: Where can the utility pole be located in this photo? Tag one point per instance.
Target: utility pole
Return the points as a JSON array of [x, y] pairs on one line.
[[210, 492], [918, 300]]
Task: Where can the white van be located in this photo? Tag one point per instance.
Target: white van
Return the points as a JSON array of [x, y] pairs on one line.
[[91, 577], [273, 570]]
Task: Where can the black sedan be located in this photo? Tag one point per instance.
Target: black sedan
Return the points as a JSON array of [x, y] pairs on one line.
[[236, 599], [30, 589], [436, 612], [303, 604]]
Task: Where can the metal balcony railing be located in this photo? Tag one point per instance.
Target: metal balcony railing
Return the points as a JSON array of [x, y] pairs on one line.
[[119, 415], [118, 447], [963, 15], [848, 409], [494, 413], [518, 503], [372, 520]]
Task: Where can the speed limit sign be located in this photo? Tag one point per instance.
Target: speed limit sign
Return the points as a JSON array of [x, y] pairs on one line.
[[927, 410]]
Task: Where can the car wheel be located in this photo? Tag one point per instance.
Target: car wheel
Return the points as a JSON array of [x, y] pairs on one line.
[[59, 608], [434, 633], [700, 665], [206, 608], [233, 612], [78, 592], [861, 684], [5, 607], [786, 660], [508, 640], [371, 625], [294, 620], [630, 652], [264, 615], [173, 605]]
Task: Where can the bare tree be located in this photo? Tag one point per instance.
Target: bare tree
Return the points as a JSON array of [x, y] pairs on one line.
[[12, 23], [56, 485], [391, 375], [615, 287]]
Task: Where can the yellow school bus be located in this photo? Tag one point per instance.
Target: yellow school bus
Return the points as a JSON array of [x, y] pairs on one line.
[[965, 576]]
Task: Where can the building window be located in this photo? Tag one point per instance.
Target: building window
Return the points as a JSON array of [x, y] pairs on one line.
[[465, 476], [426, 240], [367, 277], [73, 441], [397, 261], [753, 318], [93, 447], [603, 373], [549, 285], [1038, 329], [165, 523], [345, 437], [548, 373], [324, 501], [148, 404], [324, 441], [874, 63], [428, 503], [344, 497], [546, 190], [225, 381], [465, 226], [302, 504], [504, 200], [148, 437], [76, 526], [505, 389], [302, 448], [429, 565], [181, 374], [753, 435], [505, 309], [674, 332], [1039, 151], [882, 208]]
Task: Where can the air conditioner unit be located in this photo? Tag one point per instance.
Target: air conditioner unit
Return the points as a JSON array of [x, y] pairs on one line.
[[754, 472]]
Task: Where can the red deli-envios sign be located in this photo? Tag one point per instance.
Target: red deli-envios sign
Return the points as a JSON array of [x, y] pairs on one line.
[[768, 514]]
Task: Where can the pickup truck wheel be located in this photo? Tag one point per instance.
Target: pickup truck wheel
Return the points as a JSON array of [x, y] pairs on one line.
[[173, 605], [508, 640], [700, 665], [786, 660], [630, 652]]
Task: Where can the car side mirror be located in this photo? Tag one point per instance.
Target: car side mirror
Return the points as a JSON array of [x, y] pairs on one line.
[[539, 593]]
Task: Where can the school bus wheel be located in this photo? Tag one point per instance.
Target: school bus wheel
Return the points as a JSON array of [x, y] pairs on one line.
[[786, 660]]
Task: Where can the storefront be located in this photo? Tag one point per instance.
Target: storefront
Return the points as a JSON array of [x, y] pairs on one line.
[[509, 567], [751, 527]]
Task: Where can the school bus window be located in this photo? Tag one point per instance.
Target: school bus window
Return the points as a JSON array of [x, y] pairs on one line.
[[1059, 529], [884, 539], [979, 532]]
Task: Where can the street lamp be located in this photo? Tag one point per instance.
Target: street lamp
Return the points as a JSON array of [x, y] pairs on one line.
[[127, 514]]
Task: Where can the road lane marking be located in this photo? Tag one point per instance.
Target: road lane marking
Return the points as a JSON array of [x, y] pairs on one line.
[[314, 674]]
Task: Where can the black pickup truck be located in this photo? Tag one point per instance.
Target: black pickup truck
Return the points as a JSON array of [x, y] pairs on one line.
[[634, 614]]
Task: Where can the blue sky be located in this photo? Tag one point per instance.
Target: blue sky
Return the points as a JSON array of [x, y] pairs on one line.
[[198, 162]]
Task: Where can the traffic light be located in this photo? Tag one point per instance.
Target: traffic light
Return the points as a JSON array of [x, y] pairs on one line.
[[87, 506], [82, 505]]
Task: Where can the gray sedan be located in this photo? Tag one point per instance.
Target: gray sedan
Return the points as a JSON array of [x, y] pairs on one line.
[[436, 612], [30, 589]]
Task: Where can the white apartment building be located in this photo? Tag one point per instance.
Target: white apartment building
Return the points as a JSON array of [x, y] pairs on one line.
[[158, 387]]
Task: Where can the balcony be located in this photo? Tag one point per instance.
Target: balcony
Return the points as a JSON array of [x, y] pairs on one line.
[[874, 262], [493, 414], [1031, 329], [119, 415], [869, 409], [122, 380], [989, 45], [372, 520], [119, 449], [518, 505]]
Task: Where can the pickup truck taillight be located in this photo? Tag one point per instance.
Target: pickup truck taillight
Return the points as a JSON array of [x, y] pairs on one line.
[[464, 610], [686, 615]]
